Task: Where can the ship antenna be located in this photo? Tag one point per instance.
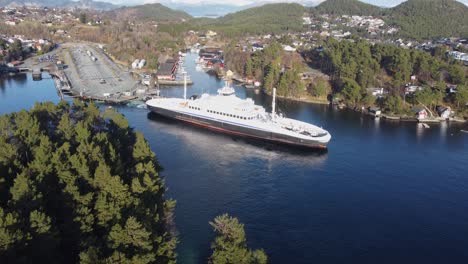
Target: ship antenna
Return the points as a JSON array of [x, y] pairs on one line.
[[185, 86], [273, 104]]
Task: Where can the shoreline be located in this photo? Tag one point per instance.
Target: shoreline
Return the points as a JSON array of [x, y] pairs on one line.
[[386, 116], [309, 100]]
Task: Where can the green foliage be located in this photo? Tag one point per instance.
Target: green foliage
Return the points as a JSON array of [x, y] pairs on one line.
[[393, 104], [79, 187], [461, 97], [230, 245], [265, 19], [249, 68], [320, 88], [290, 83], [352, 92], [368, 100], [457, 74], [358, 64], [83, 18], [426, 19], [347, 7], [428, 97]]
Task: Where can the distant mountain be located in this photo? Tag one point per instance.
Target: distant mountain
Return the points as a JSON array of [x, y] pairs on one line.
[[156, 12], [90, 4], [222, 9], [83, 4], [206, 10], [423, 19], [347, 7]]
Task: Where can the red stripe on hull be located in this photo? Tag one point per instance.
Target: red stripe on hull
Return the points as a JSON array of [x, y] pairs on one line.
[[225, 131]]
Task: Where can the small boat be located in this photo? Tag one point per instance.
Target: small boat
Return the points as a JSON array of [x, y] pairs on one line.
[[226, 90], [424, 125], [464, 131]]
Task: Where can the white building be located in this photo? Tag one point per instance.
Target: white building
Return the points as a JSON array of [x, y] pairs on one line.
[[141, 64], [135, 63]]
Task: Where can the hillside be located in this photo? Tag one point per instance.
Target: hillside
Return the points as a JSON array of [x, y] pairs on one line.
[[423, 19], [347, 7], [156, 12], [271, 18]]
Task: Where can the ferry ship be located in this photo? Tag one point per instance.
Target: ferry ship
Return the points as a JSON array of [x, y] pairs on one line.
[[227, 113]]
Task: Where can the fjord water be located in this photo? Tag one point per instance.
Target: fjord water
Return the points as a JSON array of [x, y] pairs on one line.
[[384, 192]]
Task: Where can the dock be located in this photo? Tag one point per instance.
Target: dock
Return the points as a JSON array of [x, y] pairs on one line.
[[174, 83], [391, 118]]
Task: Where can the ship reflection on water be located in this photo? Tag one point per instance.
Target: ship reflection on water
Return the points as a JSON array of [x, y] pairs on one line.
[[233, 147]]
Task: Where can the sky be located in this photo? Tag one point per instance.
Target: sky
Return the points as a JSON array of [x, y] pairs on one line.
[[386, 3]]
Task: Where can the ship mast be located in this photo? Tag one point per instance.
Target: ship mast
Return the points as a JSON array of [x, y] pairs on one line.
[[273, 104], [185, 86]]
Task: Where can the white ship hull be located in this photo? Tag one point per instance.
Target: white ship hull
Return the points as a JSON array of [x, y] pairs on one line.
[[280, 130]]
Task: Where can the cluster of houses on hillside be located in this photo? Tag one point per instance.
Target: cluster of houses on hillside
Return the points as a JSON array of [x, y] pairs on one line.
[[461, 56], [28, 45], [13, 16], [47, 16], [326, 25]]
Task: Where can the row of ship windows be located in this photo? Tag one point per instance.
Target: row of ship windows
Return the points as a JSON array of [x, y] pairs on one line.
[[224, 114]]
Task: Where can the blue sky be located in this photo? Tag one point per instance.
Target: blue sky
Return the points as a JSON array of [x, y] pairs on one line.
[[246, 2]]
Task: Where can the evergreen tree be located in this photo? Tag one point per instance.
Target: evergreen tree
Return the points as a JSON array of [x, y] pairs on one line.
[[230, 246], [461, 97], [78, 187], [352, 92]]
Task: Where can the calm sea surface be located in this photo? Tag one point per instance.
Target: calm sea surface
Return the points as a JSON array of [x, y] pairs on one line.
[[383, 193]]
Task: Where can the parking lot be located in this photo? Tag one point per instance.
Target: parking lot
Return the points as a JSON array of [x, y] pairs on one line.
[[93, 74]]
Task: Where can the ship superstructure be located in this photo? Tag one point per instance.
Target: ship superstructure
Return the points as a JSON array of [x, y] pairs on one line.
[[230, 114]]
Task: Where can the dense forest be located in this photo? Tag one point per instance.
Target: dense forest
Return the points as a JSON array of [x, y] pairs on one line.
[[426, 19], [265, 19], [354, 66], [77, 185], [272, 66], [347, 7]]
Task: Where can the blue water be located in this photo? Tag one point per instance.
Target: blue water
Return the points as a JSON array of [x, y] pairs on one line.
[[21, 92], [384, 192]]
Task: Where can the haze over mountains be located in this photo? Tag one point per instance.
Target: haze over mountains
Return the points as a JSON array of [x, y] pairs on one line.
[[417, 19], [196, 8], [83, 4]]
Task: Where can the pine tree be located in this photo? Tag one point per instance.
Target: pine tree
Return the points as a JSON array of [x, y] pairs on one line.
[[70, 179], [230, 244]]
